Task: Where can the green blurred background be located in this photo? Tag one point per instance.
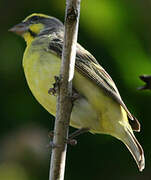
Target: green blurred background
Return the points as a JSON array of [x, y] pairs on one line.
[[118, 34]]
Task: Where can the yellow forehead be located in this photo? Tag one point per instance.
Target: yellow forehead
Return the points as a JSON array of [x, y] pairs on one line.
[[36, 14]]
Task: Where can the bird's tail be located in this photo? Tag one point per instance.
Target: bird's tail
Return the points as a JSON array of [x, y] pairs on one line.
[[135, 148]]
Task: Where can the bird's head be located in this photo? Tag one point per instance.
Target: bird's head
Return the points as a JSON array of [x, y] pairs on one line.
[[36, 25]]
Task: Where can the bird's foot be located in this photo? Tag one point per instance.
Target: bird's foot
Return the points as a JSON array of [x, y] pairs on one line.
[[78, 132], [70, 139], [56, 85]]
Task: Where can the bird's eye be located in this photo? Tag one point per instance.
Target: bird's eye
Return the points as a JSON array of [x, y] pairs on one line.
[[34, 18]]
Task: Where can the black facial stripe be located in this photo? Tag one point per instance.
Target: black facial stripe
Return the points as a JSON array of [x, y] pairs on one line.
[[33, 34], [34, 18]]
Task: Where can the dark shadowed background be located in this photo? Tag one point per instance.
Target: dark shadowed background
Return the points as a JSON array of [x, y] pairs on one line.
[[118, 34]]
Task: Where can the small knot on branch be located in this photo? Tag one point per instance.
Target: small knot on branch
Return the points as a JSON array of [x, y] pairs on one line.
[[72, 14]]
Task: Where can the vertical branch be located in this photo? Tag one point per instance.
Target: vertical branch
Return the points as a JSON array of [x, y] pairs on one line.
[[64, 104]]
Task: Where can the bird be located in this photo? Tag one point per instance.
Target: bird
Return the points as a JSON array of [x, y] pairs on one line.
[[99, 106]]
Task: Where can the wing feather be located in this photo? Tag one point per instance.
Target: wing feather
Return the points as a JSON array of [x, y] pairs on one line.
[[87, 65]]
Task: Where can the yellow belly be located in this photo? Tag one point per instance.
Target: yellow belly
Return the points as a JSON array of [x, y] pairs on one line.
[[40, 72], [96, 111], [40, 78]]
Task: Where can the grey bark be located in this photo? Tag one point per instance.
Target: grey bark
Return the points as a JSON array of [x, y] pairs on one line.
[[64, 103]]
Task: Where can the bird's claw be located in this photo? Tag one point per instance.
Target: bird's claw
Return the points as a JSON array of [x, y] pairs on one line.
[[70, 140], [56, 84]]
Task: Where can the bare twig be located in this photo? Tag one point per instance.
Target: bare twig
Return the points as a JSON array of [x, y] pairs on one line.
[[64, 104], [147, 80]]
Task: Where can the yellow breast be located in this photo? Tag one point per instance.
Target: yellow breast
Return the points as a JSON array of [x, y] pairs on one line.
[[96, 110], [40, 67]]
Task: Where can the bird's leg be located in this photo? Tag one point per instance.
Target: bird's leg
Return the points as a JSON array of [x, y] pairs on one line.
[[78, 132], [70, 139], [56, 85], [72, 142], [74, 97]]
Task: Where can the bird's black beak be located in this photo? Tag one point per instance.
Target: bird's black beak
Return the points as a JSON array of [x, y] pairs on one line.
[[19, 29]]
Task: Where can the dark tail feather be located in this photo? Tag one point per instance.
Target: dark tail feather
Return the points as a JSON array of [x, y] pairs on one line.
[[135, 148]]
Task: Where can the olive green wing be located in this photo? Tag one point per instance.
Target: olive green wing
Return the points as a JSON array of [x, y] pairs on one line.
[[87, 65], [100, 77]]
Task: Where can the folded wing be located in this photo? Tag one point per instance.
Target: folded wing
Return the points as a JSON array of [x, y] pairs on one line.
[[87, 65]]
